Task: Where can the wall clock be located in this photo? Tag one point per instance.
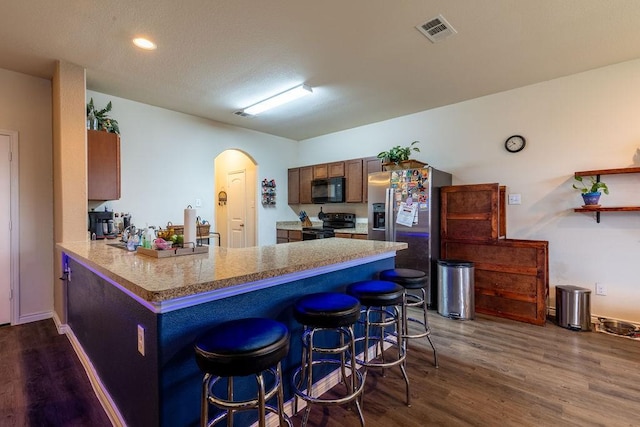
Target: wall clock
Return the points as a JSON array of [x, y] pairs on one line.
[[515, 143]]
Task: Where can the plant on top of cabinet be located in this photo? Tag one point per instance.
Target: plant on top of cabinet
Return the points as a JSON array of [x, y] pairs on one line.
[[398, 153], [590, 191], [399, 158], [100, 120]]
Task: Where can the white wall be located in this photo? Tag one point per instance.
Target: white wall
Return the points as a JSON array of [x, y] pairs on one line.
[[25, 107], [168, 162], [581, 122]]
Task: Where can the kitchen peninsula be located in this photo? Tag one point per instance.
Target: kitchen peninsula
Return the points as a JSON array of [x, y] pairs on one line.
[[115, 296]]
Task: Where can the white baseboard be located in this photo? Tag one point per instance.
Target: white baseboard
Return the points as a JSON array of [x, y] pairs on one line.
[[35, 317], [61, 327], [551, 311], [101, 392]]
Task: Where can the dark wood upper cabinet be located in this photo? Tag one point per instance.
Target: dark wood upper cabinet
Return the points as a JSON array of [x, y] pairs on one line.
[[320, 171], [103, 165], [355, 171], [293, 186], [353, 180], [306, 176], [336, 169]]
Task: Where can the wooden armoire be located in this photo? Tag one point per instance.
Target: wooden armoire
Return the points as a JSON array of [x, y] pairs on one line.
[[511, 276]]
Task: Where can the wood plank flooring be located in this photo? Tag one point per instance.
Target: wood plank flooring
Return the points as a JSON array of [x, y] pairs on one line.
[[493, 372], [42, 382], [498, 372]]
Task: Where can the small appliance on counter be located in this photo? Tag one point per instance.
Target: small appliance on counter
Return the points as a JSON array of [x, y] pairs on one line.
[[101, 224], [330, 222]]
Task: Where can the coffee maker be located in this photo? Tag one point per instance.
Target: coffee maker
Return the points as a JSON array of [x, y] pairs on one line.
[[101, 224]]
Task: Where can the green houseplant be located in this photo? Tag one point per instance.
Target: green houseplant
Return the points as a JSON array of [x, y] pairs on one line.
[[590, 190], [398, 157], [100, 120]]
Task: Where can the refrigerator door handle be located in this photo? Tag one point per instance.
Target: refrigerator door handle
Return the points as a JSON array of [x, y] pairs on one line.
[[390, 225]]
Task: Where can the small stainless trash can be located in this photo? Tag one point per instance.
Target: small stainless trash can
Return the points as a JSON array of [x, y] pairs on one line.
[[573, 307], [456, 297]]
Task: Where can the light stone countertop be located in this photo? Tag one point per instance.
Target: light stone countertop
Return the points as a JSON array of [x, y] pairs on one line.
[[161, 279]]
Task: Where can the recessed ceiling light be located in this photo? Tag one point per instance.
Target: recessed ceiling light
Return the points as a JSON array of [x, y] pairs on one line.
[[145, 44]]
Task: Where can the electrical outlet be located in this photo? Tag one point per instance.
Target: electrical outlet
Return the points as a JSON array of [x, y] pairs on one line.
[[601, 289], [514, 199], [198, 203], [141, 339]]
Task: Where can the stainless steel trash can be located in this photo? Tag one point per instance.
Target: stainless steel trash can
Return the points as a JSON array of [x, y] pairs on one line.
[[573, 307], [456, 297]]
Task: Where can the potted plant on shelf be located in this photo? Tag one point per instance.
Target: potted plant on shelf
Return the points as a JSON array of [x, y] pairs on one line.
[[398, 157], [590, 190], [100, 120]]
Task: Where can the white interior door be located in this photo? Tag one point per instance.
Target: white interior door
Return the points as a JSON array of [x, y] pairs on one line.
[[5, 219], [237, 209]]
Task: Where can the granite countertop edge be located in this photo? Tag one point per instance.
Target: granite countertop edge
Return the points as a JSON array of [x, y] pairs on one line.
[[157, 280]]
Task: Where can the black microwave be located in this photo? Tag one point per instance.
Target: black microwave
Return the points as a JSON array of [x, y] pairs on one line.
[[329, 190]]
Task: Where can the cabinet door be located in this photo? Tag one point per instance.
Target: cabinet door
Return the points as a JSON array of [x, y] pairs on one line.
[[336, 170], [293, 186], [369, 165], [320, 171], [306, 176], [103, 165], [295, 235], [354, 178]]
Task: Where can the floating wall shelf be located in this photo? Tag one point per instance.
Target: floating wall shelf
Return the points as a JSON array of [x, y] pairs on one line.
[[598, 209]]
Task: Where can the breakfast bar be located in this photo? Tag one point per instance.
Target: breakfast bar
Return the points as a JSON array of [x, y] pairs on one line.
[[134, 318]]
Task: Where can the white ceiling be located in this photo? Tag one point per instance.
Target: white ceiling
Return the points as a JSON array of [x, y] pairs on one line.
[[364, 58]]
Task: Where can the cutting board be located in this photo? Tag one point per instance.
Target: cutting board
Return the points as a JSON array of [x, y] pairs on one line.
[[172, 252]]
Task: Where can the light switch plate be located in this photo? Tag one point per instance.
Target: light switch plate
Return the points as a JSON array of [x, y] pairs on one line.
[[198, 203], [514, 199]]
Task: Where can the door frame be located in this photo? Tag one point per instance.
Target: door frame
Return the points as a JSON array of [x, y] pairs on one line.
[[14, 231]]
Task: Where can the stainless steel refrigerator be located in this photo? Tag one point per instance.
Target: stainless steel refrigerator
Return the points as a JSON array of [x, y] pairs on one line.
[[404, 206]]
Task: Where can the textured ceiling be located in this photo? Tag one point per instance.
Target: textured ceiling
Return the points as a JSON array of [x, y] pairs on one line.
[[364, 58]]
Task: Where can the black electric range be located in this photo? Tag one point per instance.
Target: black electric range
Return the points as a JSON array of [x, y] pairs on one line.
[[330, 222]]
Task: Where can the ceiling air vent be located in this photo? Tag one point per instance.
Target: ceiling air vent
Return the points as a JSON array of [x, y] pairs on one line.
[[436, 29], [242, 114]]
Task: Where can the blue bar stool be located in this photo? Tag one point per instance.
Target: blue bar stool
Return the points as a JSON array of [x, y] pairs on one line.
[[241, 348], [328, 320], [415, 284], [382, 320]]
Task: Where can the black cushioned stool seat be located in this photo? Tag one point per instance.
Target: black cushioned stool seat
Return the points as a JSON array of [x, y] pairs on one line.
[[382, 326], [327, 341], [326, 310], [408, 278], [416, 285], [239, 348]]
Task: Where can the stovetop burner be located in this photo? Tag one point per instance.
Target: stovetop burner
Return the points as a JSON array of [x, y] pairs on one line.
[[330, 222]]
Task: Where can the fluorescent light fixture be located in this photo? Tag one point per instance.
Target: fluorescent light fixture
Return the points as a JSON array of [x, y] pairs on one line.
[[281, 98], [143, 43]]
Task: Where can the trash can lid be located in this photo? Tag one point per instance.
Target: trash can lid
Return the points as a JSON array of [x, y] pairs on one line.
[[454, 263], [574, 289]]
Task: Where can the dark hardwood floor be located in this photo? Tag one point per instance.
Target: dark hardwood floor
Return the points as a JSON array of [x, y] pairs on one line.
[[42, 382], [493, 372]]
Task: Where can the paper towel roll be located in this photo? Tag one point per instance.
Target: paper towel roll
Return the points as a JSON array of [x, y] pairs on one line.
[[190, 226]]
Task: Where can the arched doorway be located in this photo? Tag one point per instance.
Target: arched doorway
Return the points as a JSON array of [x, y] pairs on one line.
[[236, 218]]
